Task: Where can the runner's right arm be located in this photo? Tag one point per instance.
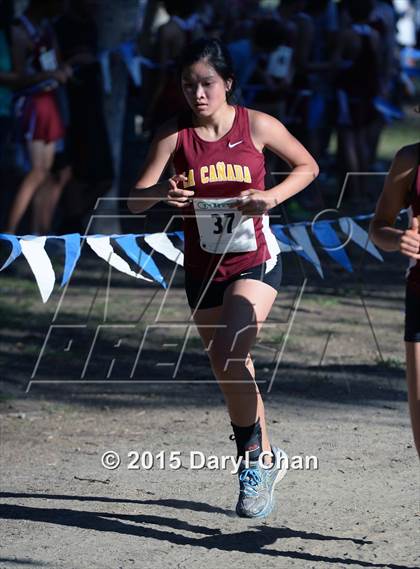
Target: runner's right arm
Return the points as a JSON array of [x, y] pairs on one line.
[[148, 191], [393, 198]]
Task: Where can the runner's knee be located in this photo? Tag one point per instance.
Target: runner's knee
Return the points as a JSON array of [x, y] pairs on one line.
[[40, 173], [229, 364]]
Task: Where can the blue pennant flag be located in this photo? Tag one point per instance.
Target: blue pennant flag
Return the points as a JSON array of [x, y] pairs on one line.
[[301, 248], [286, 243], [129, 244], [331, 243], [299, 232], [390, 112], [72, 244], [16, 249]]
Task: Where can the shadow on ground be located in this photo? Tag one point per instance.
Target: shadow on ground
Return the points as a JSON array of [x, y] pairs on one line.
[[255, 540]]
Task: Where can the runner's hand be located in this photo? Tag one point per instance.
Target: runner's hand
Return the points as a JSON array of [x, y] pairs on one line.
[[254, 202], [410, 240], [178, 197]]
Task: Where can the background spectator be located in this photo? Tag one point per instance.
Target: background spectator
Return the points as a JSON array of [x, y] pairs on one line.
[[35, 53], [330, 70]]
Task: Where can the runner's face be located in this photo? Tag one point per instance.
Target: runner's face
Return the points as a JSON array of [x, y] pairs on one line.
[[204, 89]]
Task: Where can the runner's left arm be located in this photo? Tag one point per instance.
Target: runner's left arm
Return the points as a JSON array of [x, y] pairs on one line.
[[268, 132]]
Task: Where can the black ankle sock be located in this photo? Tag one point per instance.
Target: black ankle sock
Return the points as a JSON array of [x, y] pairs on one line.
[[248, 439]]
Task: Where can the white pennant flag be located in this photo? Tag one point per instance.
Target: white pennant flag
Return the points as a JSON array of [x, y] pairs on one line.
[[161, 243], [103, 248], [34, 252]]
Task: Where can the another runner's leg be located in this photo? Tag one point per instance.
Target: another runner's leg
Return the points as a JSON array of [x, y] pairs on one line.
[[413, 383], [41, 156]]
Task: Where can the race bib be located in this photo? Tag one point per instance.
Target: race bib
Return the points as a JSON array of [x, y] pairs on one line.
[[224, 229], [48, 60]]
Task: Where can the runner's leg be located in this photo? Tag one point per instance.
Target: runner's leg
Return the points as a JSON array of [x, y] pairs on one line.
[[246, 305], [47, 198], [41, 156], [205, 320]]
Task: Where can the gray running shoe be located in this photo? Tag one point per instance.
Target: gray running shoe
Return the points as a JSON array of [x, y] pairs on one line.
[[256, 485]]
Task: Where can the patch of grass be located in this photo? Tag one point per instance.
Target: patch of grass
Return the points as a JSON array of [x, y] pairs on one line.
[[327, 301], [9, 316], [18, 284], [397, 135], [195, 343], [394, 136], [5, 397], [390, 363], [56, 407], [278, 340]]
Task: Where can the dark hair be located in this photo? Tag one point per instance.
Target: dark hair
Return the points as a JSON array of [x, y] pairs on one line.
[[215, 53], [181, 8], [360, 10]]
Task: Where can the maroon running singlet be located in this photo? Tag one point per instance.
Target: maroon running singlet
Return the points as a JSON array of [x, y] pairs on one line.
[[219, 241]]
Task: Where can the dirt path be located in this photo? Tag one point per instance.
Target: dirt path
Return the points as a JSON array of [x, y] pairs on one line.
[[339, 394]]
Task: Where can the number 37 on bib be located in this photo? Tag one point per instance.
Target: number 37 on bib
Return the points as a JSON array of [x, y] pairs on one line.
[[223, 229]]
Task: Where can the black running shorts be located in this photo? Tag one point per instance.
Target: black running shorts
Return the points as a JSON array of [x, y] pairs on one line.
[[412, 316], [213, 296]]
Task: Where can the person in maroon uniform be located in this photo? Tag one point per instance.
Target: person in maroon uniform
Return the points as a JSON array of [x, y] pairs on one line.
[[231, 257], [35, 54], [402, 189]]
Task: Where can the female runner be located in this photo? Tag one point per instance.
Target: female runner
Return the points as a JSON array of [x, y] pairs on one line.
[[402, 189], [35, 54], [231, 261]]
